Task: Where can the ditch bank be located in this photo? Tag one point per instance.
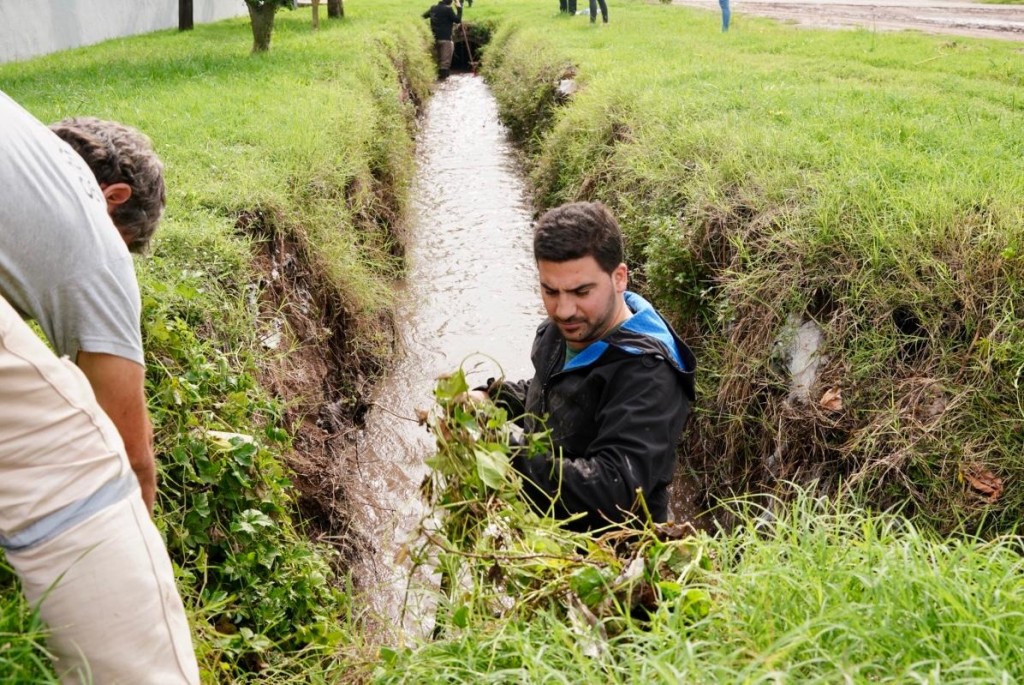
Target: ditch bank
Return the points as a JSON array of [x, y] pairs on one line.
[[850, 338], [263, 347]]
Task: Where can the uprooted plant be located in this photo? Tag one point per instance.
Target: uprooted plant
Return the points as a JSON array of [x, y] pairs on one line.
[[498, 558]]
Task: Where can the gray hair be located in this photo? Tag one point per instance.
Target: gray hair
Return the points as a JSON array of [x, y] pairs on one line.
[[121, 154]]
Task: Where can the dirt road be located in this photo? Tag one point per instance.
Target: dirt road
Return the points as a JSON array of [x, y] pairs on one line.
[[931, 16]]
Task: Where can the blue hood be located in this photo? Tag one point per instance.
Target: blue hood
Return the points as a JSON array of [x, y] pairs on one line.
[[643, 333]]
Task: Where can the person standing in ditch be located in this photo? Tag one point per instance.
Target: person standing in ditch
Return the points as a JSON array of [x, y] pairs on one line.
[[77, 478], [612, 382], [442, 21]]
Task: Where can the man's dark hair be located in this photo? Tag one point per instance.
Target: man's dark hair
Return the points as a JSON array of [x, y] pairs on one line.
[[121, 154], [446, 2], [577, 230]]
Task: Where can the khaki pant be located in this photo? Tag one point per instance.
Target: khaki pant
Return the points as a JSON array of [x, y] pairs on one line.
[[445, 50], [74, 527]]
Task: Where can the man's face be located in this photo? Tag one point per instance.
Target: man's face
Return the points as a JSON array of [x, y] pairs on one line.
[[582, 299]]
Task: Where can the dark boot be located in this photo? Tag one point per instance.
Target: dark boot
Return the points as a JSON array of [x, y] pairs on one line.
[[444, 74]]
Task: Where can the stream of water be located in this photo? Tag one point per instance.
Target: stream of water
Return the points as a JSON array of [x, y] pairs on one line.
[[470, 298]]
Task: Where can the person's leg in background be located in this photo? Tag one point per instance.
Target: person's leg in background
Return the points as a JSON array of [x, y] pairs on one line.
[[445, 50], [74, 527], [726, 14], [593, 11]]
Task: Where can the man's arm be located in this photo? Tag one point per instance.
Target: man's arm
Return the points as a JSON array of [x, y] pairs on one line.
[[639, 425], [119, 387]]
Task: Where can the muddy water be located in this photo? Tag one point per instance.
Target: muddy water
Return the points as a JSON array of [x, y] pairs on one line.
[[471, 291]]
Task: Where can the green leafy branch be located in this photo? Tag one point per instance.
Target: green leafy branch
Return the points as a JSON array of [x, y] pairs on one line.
[[499, 558]]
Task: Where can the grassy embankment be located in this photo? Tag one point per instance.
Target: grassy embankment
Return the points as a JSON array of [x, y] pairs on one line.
[[266, 299], [871, 184]]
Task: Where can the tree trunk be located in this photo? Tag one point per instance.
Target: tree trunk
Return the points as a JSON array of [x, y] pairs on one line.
[[184, 15], [316, 14], [262, 19], [336, 9]]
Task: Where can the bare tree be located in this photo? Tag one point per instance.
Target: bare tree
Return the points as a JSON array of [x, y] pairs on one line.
[[261, 14]]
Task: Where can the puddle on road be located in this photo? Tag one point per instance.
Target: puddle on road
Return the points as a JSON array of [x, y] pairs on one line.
[[471, 290]]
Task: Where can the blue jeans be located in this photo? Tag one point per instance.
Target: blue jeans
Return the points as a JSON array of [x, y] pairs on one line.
[[724, 4]]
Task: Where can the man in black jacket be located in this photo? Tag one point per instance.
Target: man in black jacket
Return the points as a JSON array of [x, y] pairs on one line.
[[442, 19], [613, 382]]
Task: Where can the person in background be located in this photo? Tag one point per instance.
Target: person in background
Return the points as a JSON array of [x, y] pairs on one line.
[[593, 11], [442, 21], [724, 4], [612, 381], [77, 478]]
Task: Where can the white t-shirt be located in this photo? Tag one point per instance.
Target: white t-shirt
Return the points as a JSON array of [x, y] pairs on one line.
[[62, 261]]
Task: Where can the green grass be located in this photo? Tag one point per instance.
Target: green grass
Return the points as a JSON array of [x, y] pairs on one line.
[[22, 655], [821, 594], [869, 182]]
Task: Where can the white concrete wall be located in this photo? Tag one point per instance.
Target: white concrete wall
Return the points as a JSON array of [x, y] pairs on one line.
[[38, 27]]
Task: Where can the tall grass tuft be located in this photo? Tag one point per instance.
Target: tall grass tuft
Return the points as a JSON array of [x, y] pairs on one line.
[[23, 658], [812, 591]]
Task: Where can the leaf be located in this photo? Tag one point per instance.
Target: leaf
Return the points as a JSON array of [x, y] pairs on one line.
[[461, 617], [538, 543], [589, 585], [984, 482], [832, 400], [450, 386], [387, 655], [695, 603], [492, 467], [227, 441], [249, 520]]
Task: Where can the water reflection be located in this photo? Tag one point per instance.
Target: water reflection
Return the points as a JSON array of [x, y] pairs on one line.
[[471, 291]]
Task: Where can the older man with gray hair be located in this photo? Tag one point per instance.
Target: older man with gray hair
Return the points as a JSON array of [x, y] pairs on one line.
[[77, 477]]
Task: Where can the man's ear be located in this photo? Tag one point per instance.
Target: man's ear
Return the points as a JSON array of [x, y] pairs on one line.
[[620, 277], [116, 195]]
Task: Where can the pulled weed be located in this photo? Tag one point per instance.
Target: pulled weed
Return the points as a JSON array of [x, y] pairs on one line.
[[501, 561]]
